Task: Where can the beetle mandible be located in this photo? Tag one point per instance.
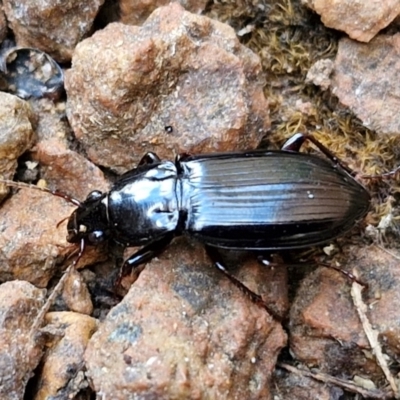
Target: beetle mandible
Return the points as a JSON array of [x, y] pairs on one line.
[[251, 200]]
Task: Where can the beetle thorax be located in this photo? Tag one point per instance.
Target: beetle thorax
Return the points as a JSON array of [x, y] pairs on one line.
[[146, 206]]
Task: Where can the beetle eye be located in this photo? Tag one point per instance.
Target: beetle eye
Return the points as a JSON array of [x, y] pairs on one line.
[[96, 237], [95, 195]]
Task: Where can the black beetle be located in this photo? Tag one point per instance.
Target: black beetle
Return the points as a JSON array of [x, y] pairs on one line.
[[252, 200]]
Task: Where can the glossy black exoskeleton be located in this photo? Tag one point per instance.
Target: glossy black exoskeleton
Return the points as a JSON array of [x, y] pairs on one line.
[[254, 200]]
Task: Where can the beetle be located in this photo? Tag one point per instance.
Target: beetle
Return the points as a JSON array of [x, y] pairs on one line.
[[252, 200]]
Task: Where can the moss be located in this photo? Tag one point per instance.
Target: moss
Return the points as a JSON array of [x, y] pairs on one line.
[[289, 38]]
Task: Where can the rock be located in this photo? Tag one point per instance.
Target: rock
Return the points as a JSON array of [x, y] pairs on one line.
[[52, 26], [135, 12], [184, 331], [26, 253], [68, 171], [62, 375], [16, 134], [63, 169], [365, 80], [271, 283], [76, 294], [319, 74], [380, 270], [51, 121], [32, 244], [316, 337], [361, 20], [180, 83], [20, 303], [325, 330]]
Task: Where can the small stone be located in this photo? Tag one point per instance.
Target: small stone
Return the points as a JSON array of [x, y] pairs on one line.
[[20, 354], [68, 171], [365, 80], [32, 244], [76, 294], [184, 331], [365, 383], [319, 73], [52, 26], [63, 360], [16, 134], [325, 328], [51, 120], [178, 70], [323, 300], [361, 20], [134, 12]]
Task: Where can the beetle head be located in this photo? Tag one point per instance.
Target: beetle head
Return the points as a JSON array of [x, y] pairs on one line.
[[89, 221]]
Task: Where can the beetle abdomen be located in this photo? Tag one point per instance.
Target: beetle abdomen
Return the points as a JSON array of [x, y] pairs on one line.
[[269, 200]]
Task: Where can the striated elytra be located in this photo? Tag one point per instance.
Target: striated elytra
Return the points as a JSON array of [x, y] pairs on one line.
[[253, 200]]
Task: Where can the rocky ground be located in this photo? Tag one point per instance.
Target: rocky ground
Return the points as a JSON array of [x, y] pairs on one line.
[[86, 89]]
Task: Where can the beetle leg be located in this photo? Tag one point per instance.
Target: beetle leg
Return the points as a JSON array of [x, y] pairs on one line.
[[297, 140], [347, 274], [183, 157], [134, 265], [216, 258], [149, 158]]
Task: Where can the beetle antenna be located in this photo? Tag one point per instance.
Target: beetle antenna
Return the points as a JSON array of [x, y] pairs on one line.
[[22, 185], [60, 222]]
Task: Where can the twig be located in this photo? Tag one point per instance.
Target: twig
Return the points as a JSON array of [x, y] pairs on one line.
[[372, 336], [56, 291], [343, 383], [50, 300], [397, 257]]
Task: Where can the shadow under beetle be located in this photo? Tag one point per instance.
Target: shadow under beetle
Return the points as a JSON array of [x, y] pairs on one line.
[[251, 200]]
